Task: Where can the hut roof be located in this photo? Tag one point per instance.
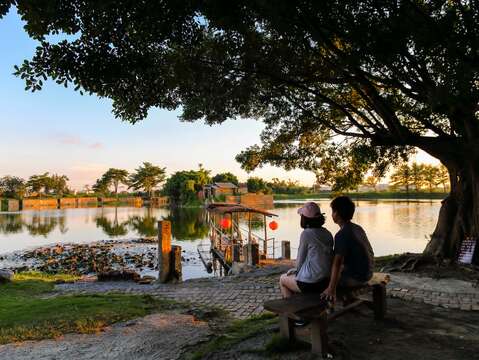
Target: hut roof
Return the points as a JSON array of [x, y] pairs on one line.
[[223, 208]]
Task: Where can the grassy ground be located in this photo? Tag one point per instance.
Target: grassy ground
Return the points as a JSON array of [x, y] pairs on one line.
[[364, 195], [26, 313], [233, 334]]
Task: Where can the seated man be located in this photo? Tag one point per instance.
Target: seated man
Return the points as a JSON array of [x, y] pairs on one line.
[[353, 259]]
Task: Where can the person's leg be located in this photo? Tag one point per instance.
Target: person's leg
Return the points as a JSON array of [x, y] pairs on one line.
[[288, 285]]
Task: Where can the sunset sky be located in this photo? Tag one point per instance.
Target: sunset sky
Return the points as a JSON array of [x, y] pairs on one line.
[[60, 131]]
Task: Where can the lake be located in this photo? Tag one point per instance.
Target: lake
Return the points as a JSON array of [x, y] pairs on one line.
[[393, 226]]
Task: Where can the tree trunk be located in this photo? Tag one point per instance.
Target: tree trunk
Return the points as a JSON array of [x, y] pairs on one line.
[[459, 214]]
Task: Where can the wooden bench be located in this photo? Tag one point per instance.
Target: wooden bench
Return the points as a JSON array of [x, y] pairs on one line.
[[312, 308]]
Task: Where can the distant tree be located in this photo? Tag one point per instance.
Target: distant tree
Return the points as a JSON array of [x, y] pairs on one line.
[[147, 177], [401, 177], [203, 176], [59, 184], [101, 186], [286, 186], [256, 185], [182, 186], [431, 176], [116, 177], [40, 184], [225, 177], [443, 177], [372, 181], [417, 175], [12, 187]]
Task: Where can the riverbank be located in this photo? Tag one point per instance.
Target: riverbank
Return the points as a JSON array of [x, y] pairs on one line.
[[364, 195], [29, 312]]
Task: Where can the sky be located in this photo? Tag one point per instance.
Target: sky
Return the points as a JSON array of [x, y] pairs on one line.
[[59, 131]]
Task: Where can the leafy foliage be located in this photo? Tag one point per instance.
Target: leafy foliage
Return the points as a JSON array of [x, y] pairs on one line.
[[111, 177], [342, 86], [147, 177], [225, 177], [46, 184], [256, 185], [286, 187], [12, 187], [182, 186]]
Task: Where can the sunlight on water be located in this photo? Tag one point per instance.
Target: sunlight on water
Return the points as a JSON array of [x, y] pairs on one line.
[[392, 226]]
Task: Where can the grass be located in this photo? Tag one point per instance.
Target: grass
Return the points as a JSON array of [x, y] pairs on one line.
[[27, 314], [235, 333]]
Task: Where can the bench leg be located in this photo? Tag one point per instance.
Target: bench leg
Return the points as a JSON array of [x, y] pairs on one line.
[[286, 327], [379, 301], [319, 336]]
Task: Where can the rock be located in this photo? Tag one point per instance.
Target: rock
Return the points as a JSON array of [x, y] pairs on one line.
[[6, 275], [146, 280], [118, 275], [239, 268]]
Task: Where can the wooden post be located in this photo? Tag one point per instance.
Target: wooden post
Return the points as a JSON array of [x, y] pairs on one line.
[[164, 250], [286, 328], [252, 254], [249, 228], [379, 301], [235, 252], [265, 244], [176, 272], [319, 335], [285, 250]]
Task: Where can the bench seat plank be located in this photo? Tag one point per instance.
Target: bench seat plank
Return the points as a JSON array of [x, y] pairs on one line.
[[296, 304]]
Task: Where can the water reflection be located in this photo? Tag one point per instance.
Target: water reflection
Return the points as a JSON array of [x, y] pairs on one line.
[[11, 224], [392, 226], [192, 223]]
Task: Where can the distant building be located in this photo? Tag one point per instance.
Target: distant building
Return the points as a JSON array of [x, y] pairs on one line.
[[220, 188]]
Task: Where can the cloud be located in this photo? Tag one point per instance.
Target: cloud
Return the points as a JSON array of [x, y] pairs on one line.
[[68, 139], [97, 145]]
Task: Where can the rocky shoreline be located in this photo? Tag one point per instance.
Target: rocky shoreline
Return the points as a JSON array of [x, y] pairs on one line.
[[107, 259]]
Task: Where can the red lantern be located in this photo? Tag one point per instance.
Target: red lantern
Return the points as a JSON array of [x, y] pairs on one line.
[[273, 225], [225, 223]]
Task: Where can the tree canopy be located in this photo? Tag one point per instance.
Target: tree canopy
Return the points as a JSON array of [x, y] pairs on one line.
[[343, 86], [225, 177], [147, 177]]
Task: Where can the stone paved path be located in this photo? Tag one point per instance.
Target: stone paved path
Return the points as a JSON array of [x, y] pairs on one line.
[[243, 295]]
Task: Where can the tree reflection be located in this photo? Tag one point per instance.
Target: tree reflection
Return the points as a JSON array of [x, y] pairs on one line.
[[41, 225], [188, 223], [11, 223], [112, 228], [145, 225]]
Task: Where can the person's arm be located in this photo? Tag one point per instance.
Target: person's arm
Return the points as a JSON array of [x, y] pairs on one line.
[[340, 251], [330, 292], [302, 251]]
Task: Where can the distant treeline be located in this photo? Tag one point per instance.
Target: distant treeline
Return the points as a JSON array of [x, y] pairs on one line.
[[182, 187]]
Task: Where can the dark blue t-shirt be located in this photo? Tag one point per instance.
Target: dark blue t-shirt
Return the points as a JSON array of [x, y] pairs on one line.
[[352, 243]]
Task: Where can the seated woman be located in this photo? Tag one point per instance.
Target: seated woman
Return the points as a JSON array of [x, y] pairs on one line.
[[315, 252]]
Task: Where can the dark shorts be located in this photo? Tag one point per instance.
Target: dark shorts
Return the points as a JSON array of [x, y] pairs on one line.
[[317, 287], [350, 282]]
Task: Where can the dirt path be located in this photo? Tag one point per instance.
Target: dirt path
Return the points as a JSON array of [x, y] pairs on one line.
[[410, 331], [158, 336]]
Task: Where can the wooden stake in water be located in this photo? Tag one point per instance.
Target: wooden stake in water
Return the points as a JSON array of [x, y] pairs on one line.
[[164, 250]]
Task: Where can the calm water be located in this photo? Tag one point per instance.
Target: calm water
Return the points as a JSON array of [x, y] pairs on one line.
[[392, 226]]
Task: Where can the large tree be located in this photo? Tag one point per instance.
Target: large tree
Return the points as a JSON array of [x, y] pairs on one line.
[[147, 177], [116, 177], [342, 85]]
